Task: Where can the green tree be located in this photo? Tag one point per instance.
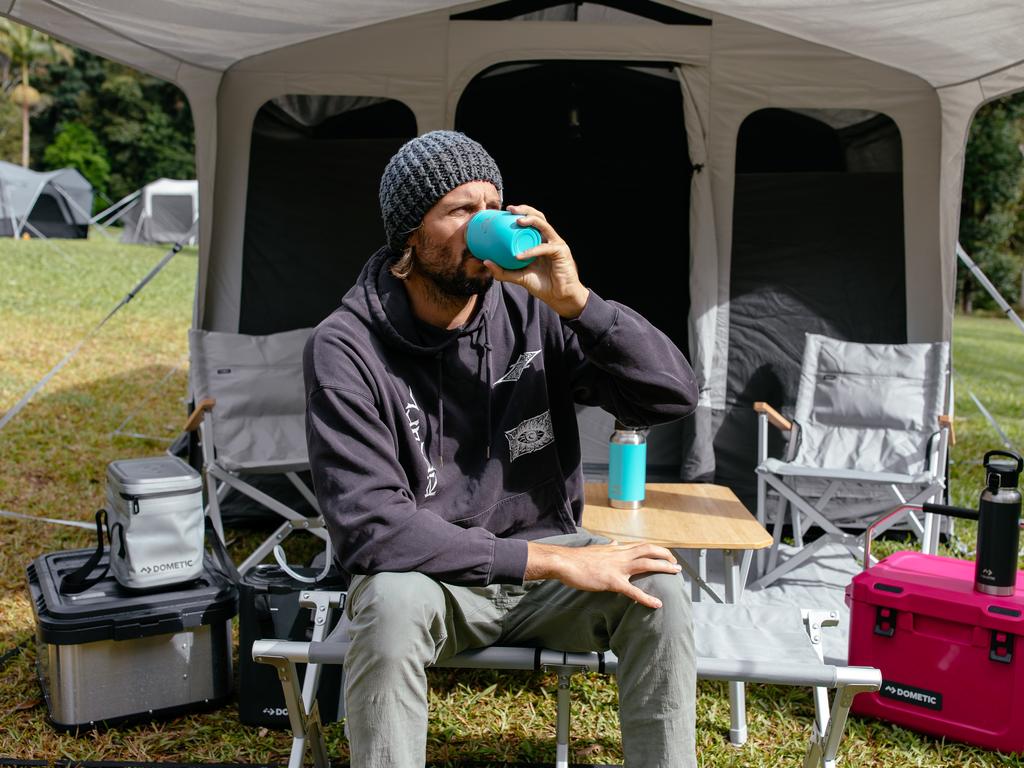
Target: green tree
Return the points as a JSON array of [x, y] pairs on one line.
[[27, 51], [77, 147], [144, 124], [10, 131], [992, 204], [143, 130]]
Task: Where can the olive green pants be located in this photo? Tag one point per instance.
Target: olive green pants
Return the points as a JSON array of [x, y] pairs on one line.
[[403, 622]]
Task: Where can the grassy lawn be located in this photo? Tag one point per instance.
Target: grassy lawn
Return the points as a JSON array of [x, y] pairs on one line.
[[53, 458]]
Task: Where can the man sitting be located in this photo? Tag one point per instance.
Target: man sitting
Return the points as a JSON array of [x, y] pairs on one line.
[[446, 458]]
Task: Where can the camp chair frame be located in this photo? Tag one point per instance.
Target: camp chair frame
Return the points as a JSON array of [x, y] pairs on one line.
[[250, 406], [220, 480], [827, 729], [810, 511]]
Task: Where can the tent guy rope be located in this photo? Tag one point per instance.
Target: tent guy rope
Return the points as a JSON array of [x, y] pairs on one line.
[[35, 388]]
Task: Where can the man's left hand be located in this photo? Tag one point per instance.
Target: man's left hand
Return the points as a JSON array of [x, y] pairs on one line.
[[552, 277]]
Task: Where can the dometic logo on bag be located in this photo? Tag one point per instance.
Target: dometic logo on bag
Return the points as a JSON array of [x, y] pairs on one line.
[[919, 697], [177, 565]]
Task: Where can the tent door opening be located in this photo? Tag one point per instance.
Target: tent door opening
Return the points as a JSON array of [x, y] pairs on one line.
[[818, 247], [312, 215], [600, 147]]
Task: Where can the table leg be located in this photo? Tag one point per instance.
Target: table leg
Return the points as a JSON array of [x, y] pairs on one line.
[[695, 589], [737, 693], [702, 573]]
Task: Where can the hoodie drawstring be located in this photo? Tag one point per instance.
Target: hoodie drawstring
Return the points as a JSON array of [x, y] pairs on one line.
[[440, 405], [487, 365]]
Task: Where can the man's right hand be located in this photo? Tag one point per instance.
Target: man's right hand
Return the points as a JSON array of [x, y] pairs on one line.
[[601, 567]]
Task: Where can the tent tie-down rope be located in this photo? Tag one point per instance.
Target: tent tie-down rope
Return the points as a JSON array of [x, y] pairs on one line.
[[34, 390], [1013, 316], [120, 429], [987, 285], [51, 520]]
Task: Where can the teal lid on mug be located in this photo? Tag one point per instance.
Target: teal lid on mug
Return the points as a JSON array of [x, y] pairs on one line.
[[495, 236]]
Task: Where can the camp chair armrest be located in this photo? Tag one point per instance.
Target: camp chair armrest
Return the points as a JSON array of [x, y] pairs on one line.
[[946, 422], [775, 418], [204, 405]]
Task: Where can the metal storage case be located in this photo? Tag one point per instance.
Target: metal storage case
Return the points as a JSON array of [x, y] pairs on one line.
[[108, 654]]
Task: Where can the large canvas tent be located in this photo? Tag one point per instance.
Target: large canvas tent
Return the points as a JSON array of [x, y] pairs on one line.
[[742, 172], [44, 203], [162, 212]]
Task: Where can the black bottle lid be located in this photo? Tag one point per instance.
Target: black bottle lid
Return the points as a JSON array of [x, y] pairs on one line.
[[1004, 471]]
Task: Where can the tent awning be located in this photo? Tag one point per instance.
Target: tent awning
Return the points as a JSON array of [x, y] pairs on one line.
[[945, 42]]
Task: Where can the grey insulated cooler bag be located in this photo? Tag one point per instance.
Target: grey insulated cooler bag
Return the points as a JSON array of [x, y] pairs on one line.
[[155, 525], [155, 513]]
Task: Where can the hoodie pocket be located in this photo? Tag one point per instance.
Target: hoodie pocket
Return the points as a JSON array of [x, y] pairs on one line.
[[536, 513]]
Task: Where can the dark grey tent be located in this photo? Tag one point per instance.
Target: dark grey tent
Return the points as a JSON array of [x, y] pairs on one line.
[[47, 204]]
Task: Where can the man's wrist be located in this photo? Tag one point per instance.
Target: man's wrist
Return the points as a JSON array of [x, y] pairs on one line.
[[572, 307], [541, 561]]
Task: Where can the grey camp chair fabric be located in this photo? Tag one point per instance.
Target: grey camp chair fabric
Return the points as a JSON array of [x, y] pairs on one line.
[[254, 425], [259, 418], [866, 410], [866, 436], [757, 634]]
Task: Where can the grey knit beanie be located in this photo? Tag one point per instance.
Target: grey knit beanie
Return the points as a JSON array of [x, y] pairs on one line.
[[422, 172]]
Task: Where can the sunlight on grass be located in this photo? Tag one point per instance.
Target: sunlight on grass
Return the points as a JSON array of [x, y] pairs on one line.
[[52, 463]]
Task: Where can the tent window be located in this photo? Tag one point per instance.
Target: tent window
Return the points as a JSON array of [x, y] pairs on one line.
[[621, 11], [818, 246], [312, 213], [602, 151]]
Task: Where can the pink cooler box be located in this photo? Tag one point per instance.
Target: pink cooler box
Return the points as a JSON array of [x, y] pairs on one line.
[[952, 659]]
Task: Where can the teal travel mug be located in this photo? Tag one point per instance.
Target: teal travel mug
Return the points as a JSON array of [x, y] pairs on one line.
[[627, 467], [495, 236]]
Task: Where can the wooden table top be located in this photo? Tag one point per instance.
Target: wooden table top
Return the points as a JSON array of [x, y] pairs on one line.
[[677, 515]]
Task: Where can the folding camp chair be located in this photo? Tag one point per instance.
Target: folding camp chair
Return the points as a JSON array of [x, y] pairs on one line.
[[870, 425], [250, 415], [733, 642]]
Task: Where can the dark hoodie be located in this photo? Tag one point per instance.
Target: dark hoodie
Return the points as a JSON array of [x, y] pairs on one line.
[[443, 452]]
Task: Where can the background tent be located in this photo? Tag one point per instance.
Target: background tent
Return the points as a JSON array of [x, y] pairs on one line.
[[162, 212], [742, 172], [47, 204]]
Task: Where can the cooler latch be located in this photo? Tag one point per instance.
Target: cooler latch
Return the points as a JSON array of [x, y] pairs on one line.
[[885, 621], [1001, 647]]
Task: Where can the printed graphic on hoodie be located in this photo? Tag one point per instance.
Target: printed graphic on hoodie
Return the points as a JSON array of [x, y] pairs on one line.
[[518, 367], [531, 435], [414, 427]]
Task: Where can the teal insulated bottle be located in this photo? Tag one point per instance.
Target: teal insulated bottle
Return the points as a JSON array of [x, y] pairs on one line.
[[627, 467]]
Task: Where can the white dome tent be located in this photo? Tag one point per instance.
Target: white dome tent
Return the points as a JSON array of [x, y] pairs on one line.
[[160, 212], [811, 155], [44, 203]]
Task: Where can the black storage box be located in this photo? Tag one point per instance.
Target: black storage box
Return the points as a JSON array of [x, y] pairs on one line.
[[107, 654], [268, 608]]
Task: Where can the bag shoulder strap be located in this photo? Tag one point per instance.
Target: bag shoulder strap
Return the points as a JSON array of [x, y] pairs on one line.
[[78, 580], [220, 554]]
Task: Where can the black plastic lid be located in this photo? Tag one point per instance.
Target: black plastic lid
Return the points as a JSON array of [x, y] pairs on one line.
[[108, 611], [272, 579], [1007, 468]]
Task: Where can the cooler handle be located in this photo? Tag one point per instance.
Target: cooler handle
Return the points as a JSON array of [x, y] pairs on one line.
[[938, 509]]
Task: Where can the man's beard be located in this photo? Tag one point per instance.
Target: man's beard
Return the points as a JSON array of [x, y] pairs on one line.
[[451, 282]]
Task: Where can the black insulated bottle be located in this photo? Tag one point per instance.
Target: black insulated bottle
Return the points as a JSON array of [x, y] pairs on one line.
[[995, 571]]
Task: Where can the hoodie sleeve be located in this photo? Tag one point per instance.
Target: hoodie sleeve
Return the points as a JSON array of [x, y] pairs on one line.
[[375, 522], [619, 361]]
